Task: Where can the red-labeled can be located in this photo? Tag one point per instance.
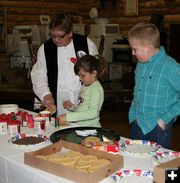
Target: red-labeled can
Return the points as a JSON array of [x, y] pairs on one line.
[[46, 115], [14, 127], [41, 122], [30, 121], [24, 120]]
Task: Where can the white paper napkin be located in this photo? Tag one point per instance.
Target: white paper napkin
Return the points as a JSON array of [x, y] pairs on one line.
[[85, 133]]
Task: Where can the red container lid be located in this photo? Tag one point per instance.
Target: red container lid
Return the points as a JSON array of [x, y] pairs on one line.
[[14, 122], [3, 121]]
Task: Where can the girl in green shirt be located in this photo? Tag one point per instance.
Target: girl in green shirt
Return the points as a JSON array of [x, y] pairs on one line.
[[91, 97]]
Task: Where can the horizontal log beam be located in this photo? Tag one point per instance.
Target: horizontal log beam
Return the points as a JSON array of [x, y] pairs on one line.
[[21, 12]]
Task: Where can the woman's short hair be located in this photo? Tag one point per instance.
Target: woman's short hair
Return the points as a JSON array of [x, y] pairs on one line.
[[62, 22]]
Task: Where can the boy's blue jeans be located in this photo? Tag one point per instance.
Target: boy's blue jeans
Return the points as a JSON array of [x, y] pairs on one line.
[[158, 135]]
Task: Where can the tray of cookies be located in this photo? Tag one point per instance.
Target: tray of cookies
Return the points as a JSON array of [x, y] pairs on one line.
[[74, 162]]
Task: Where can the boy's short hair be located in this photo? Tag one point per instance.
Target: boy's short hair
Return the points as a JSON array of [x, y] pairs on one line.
[[62, 22], [146, 32]]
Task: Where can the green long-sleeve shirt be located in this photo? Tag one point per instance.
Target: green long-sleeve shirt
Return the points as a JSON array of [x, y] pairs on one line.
[[86, 113]]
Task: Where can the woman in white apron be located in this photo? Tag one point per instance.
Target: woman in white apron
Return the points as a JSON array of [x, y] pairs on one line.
[[60, 49]]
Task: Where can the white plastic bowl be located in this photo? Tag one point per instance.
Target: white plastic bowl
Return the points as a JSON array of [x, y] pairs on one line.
[[8, 108]]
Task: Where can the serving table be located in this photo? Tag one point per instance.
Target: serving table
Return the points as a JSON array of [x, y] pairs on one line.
[[13, 169]]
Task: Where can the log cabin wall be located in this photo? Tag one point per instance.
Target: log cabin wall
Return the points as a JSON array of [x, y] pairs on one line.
[[19, 12]]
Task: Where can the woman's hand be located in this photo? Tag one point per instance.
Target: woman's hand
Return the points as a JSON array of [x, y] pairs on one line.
[[52, 109], [62, 119], [48, 101]]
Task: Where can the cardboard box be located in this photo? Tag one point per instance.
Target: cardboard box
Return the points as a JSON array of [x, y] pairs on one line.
[[75, 175], [159, 171]]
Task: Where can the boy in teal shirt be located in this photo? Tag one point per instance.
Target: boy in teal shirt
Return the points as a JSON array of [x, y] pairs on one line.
[[156, 102]]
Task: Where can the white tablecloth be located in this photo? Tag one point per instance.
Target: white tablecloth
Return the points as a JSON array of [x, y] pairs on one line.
[[13, 169]]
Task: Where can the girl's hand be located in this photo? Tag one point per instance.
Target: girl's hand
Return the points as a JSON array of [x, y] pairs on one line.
[[62, 119], [67, 104]]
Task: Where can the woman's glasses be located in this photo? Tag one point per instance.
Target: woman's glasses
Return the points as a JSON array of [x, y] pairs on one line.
[[58, 37]]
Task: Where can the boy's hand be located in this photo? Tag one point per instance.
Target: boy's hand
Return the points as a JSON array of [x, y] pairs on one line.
[[161, 124], [67, 104], [62, 119]]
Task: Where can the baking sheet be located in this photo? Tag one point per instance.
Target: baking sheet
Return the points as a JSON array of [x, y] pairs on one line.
[[70, 134]]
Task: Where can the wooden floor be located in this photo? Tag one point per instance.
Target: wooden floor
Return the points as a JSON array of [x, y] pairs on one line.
[[115, 117]]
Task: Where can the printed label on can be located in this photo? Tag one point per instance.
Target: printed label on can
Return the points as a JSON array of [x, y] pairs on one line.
[[3, 128], [12, 130]]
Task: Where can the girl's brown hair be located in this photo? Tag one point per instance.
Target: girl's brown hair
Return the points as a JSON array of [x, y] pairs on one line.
[[91, 63]]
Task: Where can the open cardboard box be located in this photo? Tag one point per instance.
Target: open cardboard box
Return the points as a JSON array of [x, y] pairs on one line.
[[160, 170], [75, 175]]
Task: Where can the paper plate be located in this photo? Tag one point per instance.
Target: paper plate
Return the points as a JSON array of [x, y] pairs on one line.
[[167, 154], [139, 146], [164, 156], [34, 141], [136, 180], [136, 175]]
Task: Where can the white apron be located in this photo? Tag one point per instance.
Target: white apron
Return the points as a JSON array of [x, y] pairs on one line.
[[66, 95], [68, 86]]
